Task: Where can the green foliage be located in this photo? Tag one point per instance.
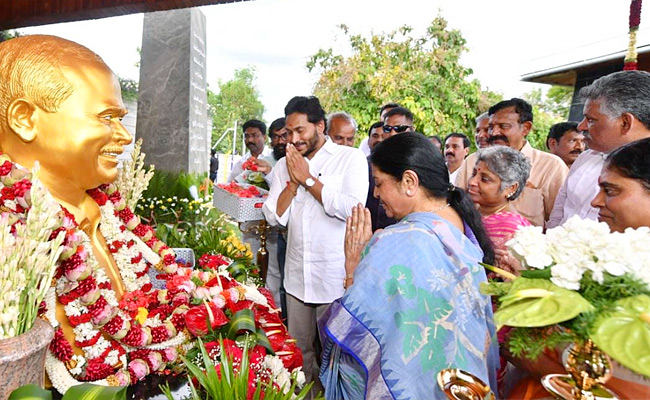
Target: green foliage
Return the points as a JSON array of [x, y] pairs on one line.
[[129, 89], [85, 391], [237, 100], [547, 110], [6, 35], [231, 382], [169, 184], [422, 73], [531, 342]]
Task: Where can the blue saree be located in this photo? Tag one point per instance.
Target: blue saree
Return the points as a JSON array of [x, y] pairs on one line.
[[413, 310]]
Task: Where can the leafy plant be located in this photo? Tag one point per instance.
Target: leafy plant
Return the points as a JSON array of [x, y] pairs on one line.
[[230, 380], [85, 391]]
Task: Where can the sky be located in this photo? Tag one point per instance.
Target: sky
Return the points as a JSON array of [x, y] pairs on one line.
[[505, 38]]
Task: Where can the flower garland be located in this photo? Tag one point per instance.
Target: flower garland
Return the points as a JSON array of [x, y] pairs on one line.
[[630, 62], [117, 343], [124, 341]]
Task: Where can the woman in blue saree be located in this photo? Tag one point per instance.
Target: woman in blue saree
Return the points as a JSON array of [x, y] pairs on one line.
[[412, 305]]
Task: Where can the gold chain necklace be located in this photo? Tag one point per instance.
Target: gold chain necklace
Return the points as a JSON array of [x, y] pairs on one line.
[[435, 210]]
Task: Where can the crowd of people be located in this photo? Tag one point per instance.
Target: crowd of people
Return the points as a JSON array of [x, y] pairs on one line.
[[379, 274]]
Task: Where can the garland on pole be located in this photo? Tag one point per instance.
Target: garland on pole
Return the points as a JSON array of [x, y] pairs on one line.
[[635, 20]]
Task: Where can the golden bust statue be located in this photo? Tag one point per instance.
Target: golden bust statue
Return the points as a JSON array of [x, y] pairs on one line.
[[61, 105]]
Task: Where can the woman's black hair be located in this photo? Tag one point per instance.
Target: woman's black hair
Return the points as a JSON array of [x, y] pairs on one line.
[[413, 151], [632, 161]]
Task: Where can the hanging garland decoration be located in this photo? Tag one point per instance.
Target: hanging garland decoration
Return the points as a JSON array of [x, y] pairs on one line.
[[635, 20]]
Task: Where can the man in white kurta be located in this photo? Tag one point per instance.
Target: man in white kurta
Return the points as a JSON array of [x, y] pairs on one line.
[[313, 191]]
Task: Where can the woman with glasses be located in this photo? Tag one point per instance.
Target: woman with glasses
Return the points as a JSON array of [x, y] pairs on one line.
[[412, 305]]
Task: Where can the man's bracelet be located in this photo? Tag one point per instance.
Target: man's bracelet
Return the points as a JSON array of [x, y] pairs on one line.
[[294, 192]]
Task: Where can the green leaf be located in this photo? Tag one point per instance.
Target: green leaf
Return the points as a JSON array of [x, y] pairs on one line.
[[558, 306], [30, 392], [242, 320], [88, 391], [624, 333]]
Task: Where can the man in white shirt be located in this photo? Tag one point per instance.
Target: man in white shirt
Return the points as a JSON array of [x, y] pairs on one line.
[[616, 112], [313, 191], [255, 141], [456, 149], [341, 128]]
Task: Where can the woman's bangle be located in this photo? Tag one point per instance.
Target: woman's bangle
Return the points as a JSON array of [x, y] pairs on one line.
[[347, 278]]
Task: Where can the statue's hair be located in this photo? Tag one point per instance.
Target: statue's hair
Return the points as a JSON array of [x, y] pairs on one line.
[[30, 68]]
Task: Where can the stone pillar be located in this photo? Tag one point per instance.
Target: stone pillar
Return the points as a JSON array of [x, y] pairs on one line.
[[172, 102]]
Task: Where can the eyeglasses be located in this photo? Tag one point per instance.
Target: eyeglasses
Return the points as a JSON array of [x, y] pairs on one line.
[[396, 128], [284, 136]]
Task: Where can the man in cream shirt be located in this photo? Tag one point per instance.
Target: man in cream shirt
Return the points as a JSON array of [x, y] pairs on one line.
[[510, 122]]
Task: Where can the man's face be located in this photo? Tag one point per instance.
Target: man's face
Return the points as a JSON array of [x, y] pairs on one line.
[[80, 142], [308, 138], [455, 153], [376, 136], [394, 123], [279, 138], [254, 140], [602, 132], [504, 128], [569, 147], [481, 133], [342, 132]]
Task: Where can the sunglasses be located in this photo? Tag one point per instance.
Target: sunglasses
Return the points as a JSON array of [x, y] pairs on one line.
[[396, 128]]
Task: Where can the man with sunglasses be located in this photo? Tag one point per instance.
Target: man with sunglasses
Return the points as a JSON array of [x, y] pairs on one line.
[[397, 120]]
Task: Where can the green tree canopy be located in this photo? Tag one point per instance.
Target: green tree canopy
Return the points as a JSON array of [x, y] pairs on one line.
[[237, 100], [548, 109], [423, 74]]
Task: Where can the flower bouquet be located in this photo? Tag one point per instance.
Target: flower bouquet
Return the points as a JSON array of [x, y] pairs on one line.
[[252, 175], [582, 284]]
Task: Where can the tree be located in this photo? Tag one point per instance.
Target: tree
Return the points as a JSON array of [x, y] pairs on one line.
[[548, 109], [6, 35], [237, 100], [423, 74]]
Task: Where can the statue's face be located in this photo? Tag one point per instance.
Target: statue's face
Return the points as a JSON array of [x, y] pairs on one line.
[[79, 143]]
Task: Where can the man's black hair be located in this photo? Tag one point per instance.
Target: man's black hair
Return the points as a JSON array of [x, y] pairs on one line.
[[558, 130], [306, 105], [399, 111], [375, 126], [277, 124], [388, 105], [522, 107], [466, 142], [254, 123]]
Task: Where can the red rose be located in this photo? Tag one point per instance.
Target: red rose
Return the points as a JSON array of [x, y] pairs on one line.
[[197, 318]]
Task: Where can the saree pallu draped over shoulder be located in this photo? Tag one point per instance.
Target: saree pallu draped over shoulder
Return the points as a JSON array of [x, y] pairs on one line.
[[413, 310]]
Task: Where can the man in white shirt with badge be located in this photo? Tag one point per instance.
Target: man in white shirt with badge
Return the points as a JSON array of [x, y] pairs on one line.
[[313, 191], [616, 112]]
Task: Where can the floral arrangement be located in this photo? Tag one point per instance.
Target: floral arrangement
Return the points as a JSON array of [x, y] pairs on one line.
[[30, 246], [252, 175], [134, 178], [241, 191], [223, 370], [146, 331], [630, 62], [583, 281]]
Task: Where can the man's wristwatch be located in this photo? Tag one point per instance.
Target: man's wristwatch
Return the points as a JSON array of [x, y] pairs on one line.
[[309, 182]]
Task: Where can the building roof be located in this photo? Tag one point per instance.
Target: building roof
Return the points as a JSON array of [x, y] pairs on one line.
[[23, 13], [566, 74]]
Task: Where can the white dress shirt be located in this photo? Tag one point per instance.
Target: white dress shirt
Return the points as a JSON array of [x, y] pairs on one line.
[[580, 187], [363, 146], [315, 261], [237, 168]]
